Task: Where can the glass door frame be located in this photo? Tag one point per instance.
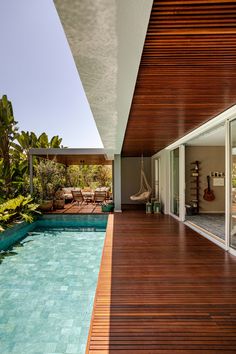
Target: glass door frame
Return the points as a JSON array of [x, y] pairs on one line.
[[228, 184], [181, 216], [228, 197], [157, 178]]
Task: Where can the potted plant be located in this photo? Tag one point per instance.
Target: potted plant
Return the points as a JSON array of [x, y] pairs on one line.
[[46, 200], [59, 199], [47, 172]]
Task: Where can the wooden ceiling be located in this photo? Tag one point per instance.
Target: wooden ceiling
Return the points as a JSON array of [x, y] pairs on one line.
[[187, 73]]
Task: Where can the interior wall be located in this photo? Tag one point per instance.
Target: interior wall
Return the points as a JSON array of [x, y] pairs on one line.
[[212, 159], [130, 177], [164, 174]]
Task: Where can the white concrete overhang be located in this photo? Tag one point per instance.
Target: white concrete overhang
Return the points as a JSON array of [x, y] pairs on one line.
[[69, 156], [106, 38]]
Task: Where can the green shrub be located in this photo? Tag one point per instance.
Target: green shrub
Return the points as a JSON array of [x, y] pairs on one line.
[[17, 209]]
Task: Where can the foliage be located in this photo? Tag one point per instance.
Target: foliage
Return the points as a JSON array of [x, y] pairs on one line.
[[104, 175], [26, 141], [51, 176], [17, 209], [234, 175], [8, 131], [89, 175], [14, 152], [43, 141]]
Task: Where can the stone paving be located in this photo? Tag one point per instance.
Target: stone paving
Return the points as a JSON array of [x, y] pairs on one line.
[[47, 289]]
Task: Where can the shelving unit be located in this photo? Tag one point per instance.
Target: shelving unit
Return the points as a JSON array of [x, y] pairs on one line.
[[195, 186]]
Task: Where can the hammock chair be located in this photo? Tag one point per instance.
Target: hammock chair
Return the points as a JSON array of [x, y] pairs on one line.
[[145, 190]]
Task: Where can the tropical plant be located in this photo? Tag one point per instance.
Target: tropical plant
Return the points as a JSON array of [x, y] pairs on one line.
[[51, 176], [89, 175], [17, 209], [28, 140], [8, 132], [104, 175], [44, 142]]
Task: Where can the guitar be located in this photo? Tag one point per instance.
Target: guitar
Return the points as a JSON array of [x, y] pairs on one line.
[[208, 193]]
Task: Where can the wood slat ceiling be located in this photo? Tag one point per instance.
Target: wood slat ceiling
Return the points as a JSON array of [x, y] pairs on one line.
[[187, 73]]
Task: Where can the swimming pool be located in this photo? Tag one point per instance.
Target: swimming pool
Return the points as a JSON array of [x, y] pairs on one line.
[[47, 286]]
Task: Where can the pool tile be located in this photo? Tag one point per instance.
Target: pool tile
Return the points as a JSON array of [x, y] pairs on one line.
[[72, 349], [47, 292]]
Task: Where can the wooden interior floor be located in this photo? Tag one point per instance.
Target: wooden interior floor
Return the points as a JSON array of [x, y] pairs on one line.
[[162, 288]]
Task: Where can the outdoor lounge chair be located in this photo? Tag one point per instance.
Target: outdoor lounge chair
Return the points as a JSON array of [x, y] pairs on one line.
[[68, 192], [104, 189], [99, 196], [77, 196]]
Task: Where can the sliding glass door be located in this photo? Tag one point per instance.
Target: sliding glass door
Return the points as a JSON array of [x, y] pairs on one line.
[[157, 178], [174, 192], [232, 240]]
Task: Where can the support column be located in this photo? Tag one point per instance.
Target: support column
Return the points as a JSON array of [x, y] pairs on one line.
[[31, 173], [182, 182], [227, 184], [117, 183]]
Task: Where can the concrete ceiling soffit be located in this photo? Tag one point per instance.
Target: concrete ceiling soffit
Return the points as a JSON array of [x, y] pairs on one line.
[[106, 38]]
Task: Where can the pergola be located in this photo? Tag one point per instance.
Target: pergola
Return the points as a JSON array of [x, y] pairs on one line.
[[68, 156]]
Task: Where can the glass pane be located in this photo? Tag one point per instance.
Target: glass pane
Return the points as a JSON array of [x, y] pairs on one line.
[[175, 181], [233, 185], [157, 184]]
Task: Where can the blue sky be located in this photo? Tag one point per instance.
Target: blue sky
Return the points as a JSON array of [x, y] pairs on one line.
[[38, 74]]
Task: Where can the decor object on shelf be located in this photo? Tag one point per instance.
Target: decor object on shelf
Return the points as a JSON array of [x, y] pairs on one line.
[[218, 181], [195, 187], [208, 192]]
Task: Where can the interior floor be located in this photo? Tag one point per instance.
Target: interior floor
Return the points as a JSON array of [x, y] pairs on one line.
[[214, 223]]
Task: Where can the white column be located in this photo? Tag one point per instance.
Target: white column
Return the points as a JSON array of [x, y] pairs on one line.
[[167, 182], [117, 183], [182, 182], [227, 184], [31, 173]]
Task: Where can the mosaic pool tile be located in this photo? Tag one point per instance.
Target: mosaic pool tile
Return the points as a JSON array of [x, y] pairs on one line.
[[47, 290]]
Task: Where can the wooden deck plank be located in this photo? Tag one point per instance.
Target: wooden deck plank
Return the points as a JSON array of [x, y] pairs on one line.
[[162, 288], [74, 208]]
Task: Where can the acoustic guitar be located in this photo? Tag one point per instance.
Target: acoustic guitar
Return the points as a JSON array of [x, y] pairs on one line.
[[208, 193]]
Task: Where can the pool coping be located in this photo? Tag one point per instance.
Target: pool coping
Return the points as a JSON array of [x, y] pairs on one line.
[[108, 241]]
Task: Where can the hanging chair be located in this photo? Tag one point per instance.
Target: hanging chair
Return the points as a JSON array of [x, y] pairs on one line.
[[145, 190]]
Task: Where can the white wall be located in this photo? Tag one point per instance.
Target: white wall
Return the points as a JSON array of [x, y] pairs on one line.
[[164, 182], [212, 159]]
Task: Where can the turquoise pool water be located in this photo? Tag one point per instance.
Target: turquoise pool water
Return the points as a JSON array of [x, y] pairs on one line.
[[47, 288]]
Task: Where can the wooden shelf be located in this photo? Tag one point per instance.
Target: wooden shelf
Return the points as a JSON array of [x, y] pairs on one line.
[[195, 181]]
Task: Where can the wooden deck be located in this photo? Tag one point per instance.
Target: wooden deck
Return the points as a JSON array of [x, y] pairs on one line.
[[74, 208], [162, 288]]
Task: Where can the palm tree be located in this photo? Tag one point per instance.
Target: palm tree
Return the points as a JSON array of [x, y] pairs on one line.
[[43, 141], [26, 140], [8, 132]]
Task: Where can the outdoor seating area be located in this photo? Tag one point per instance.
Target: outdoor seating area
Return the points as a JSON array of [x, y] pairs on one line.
[[78, 200], [87, 195]]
